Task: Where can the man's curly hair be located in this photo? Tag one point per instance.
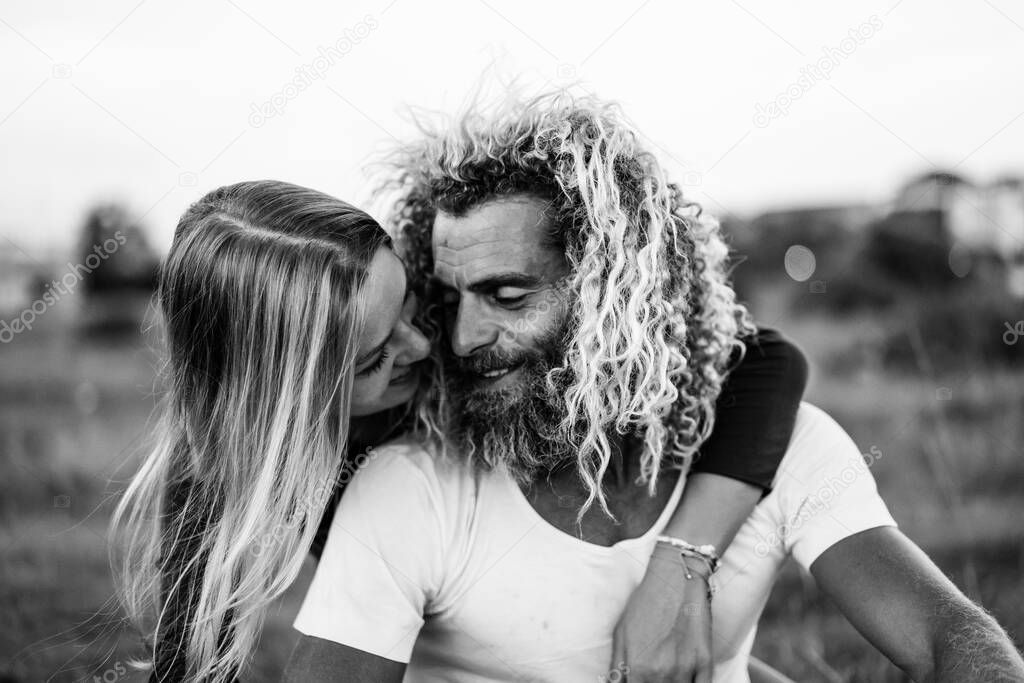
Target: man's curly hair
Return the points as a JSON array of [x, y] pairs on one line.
[[654, 321]]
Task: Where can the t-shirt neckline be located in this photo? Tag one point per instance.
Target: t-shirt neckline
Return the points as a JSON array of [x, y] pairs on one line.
[[659, 524]]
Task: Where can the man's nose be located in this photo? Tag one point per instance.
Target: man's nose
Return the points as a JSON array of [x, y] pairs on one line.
[[471, 331]]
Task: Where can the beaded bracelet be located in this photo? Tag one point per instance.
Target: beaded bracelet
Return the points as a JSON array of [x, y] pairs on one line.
[[706, 553]]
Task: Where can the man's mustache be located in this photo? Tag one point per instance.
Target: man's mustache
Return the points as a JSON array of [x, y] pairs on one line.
[[487, 361]]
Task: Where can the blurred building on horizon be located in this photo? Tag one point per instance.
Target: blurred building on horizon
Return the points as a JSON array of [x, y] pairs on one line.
[[981, 217], [975, 222]]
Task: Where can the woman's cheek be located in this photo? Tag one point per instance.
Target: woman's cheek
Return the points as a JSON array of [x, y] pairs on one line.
[[380, 384], [368, 390]]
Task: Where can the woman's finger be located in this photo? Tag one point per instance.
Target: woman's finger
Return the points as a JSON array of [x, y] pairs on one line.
[[618, 663]]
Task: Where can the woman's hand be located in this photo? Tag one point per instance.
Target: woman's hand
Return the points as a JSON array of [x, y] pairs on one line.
[[665, 632]]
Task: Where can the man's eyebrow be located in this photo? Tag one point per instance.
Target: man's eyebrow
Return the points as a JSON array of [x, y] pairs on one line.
[[492, 282]]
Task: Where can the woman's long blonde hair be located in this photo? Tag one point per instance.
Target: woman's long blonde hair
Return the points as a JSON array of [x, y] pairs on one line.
[[258, 299]]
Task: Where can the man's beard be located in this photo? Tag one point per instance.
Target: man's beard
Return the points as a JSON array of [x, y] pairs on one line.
[[516, 426]]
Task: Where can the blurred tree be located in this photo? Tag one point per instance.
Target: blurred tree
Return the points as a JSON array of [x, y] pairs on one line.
[[117, 269], [911, 248], [114, 241]]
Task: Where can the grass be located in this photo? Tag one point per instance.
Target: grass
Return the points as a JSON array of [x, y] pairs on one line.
[[74, 413]]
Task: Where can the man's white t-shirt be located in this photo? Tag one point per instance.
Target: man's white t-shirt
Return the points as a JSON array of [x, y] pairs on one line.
[[455, 573]]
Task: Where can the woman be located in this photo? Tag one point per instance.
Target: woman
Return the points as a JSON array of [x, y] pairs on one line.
[[287, 315], [271, 296]]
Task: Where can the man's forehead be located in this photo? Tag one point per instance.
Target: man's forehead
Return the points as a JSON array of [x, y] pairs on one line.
[[519, 219], [502, 235], [462, 267]]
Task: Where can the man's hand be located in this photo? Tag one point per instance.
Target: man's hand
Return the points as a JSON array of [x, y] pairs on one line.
[[665, 632]]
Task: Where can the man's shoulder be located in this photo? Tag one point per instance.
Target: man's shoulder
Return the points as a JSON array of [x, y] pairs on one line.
[[404, 452], [818, 442], [814, 425], [412, 506], [825, 490], [407, 463]]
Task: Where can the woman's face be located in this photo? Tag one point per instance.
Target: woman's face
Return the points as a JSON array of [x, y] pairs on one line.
[[390, 343]]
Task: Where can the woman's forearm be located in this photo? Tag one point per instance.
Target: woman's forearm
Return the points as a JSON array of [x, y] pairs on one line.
[[712, 510]]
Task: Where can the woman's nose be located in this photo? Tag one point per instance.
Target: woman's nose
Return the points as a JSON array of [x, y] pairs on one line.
[[415, 346]]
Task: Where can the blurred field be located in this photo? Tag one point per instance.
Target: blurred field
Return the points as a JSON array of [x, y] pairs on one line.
[[952, 473], [73, 416]]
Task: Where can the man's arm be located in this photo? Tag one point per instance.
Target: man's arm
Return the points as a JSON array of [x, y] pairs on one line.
[[907, 608], [315, 660]]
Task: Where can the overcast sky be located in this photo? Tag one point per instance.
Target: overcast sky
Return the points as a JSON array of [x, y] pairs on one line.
[[151, 102]]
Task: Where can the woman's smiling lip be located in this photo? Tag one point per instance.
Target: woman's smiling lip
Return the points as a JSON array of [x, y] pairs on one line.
[[399, 379]]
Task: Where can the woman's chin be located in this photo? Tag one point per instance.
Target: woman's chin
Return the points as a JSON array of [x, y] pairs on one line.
[[400, 394], [396, 395]]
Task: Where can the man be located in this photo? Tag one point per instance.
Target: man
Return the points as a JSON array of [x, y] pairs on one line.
[[589, 324]]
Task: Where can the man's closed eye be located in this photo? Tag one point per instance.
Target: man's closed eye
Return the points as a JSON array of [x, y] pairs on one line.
[[510, 296]]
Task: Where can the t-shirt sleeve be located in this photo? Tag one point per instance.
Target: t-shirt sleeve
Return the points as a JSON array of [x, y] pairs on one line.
[[825, 488], [756, 411], [381, 564]]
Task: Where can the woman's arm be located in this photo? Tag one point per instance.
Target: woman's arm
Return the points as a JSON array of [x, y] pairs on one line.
[[666, 628], [756, 411], [754, 419]]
